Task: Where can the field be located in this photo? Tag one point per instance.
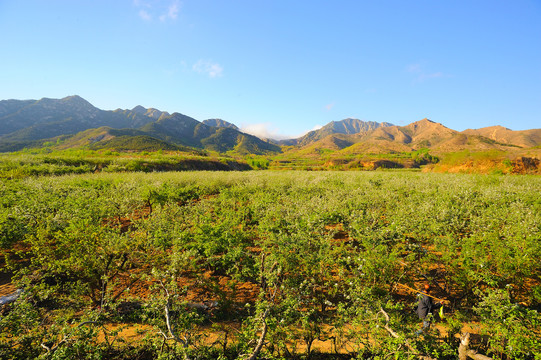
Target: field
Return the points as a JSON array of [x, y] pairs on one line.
[[267, 264]]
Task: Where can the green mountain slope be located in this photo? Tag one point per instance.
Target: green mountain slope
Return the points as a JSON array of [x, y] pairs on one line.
[[8, 107], [46, 118], [184, 130], [135, 143], [30, 123], [178, 129], [106, 138]]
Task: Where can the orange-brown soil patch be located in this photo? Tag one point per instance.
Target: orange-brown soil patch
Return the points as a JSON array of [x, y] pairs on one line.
[[7, 288], [129, 333], [16, 255], [124, 223], [339, 235], [199, 288]]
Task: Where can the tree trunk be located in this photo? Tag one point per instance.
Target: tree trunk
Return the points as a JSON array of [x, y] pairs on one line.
[[464, 351], [261, 341], [396, 336]]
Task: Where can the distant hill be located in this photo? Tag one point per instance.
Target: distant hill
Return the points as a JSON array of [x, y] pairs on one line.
[[432, 135], [73, 122], [31, 123], [150, 112], [353, 136], [395, 139], [352, 126], [24, 122], [522, 138], [347, 126], [176, 128], [420, 134], [8, 107], [118, 140], [182, 129], [135, 143]]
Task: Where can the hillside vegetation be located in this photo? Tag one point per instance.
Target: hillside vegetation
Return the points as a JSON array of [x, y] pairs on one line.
[[21, 165]]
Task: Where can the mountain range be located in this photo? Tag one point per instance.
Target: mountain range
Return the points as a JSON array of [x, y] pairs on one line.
[[347, 126], [419, 135], [73, 122]]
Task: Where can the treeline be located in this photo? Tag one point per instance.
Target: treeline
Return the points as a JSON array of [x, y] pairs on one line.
[[20, 165]]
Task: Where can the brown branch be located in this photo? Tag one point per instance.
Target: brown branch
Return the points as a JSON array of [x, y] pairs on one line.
[[464, 351], [261, 340], [65, 339], [170, 328], [422, 292], [396, 336], [115, 298]]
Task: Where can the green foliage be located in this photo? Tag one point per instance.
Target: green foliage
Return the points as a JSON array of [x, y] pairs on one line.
[[327, 254], [422, 157], [512, 329], [12, 228], [37, 163], [136, 143], [258, 163]]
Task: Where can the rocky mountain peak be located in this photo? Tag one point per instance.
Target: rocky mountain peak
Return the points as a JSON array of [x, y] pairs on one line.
[[219, 123], [77, 101], [139, 110]]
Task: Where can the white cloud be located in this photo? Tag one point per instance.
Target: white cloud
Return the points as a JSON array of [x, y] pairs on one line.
[[421, 74], [265, 131], [414, 68], [208, 67], [261, 130], [330, 106], [145, 15], [268, 131], [317, 127], [172, 12], [160, 9], [427, 76], [140, 3]]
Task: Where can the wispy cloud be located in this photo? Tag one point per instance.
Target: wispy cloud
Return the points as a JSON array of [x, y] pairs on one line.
[[262, 130], [316, 127], [157, 9], [433, 75], [330, 106], [265, 131], [172, 12], [212, 69], [143, 14], [413, 68], [421, 74], [269, 131]]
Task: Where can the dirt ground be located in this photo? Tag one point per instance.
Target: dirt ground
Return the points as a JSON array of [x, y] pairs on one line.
[[6, 286]]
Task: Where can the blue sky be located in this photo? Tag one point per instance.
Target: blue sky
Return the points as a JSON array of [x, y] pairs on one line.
[[282, 67]]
